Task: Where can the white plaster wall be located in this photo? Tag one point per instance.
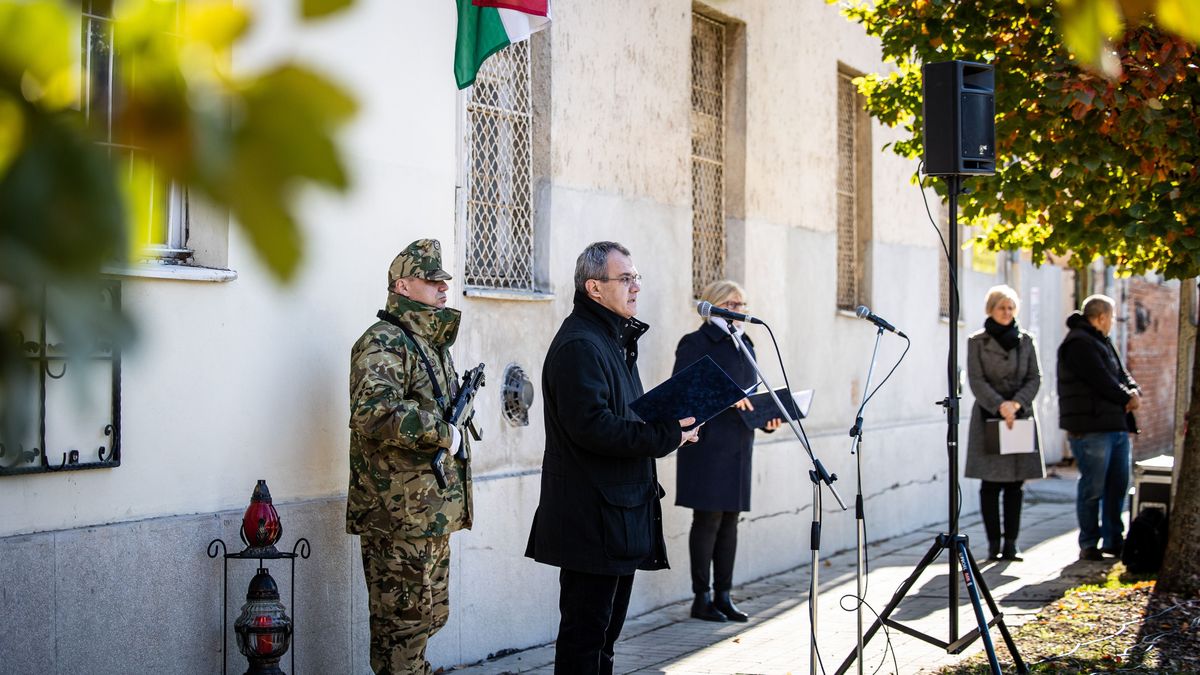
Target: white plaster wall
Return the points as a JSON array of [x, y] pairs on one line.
[[247, 379]]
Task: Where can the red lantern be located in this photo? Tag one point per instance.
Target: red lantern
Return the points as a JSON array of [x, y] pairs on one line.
[[260, 524]]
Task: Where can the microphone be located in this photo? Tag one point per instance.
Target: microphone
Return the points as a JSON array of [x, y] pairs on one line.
[[706, 309], [864, 313]]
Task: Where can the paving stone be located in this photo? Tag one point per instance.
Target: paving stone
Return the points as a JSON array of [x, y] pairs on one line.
[[776, 639]]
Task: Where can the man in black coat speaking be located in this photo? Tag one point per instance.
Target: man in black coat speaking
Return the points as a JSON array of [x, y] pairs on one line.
[[599, 518]]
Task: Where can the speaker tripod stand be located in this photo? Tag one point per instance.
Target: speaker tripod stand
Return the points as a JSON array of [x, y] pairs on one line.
[[960, 559], [977, 589]]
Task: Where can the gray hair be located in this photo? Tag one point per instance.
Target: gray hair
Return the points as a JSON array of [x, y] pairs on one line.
[[1098, 305], [593, 262]]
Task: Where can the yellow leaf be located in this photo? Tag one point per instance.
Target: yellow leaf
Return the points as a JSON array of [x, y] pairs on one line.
[[36, 41], [1154, 104], [144, 186], [312, 9], [1088, 27], [12, 129], [215, 24], [1181, 17]]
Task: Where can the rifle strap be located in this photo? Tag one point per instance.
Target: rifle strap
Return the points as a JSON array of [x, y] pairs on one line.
[[387, 316]]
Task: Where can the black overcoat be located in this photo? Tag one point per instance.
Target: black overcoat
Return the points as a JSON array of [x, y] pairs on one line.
[[1093, 385], [714, 474], [600, 508]]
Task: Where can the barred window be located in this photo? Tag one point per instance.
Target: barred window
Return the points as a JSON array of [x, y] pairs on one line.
[[708, 151], [853, 194], [498, 174], [944, 265], [158, 210]]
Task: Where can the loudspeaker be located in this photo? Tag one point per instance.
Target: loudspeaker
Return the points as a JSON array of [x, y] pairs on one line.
[[959, 106]]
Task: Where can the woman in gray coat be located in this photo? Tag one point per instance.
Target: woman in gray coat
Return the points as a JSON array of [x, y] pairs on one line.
[[1002, 368]]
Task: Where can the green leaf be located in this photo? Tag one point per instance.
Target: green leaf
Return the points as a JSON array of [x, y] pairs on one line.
[[312, 9]]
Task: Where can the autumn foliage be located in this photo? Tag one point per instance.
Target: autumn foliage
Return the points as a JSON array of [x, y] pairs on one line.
[[1086, 163]]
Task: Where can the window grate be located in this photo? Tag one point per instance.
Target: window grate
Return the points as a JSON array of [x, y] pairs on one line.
[[77, 395], [708, 152], [848, 262], [944, 265], [498, 170]]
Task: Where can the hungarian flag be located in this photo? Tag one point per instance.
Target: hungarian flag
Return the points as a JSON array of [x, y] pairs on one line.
[[487, 26]]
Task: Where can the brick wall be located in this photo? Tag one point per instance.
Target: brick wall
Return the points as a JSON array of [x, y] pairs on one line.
[[1153, 334]]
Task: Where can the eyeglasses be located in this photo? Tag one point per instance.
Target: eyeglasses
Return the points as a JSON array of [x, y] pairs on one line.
[[735, 306], [627, 279]]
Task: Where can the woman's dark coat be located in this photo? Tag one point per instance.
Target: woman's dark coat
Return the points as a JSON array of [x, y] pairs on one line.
[[1093, 385], [997, 375], [713, 474], [600, 509]]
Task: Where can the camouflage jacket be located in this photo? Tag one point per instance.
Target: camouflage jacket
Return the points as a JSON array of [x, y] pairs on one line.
[[396, 427]]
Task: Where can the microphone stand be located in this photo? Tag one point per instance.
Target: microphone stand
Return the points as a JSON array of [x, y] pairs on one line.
[[817, 475], [860, 535]]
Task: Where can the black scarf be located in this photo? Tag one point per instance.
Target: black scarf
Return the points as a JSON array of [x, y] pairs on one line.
[[1008, 336]]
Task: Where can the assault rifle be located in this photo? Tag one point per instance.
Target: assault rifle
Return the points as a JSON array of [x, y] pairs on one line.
[[472, 382]]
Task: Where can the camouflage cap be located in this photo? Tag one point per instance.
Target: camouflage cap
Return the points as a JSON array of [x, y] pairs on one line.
[[422, 259]]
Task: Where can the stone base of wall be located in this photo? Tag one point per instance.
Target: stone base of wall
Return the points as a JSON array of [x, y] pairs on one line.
[[145, 597]]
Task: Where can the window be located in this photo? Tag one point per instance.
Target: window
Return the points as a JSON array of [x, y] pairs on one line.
[[498, 162], [944, 265], [708, 151], [158, 210], [74, 402], [853, 195]]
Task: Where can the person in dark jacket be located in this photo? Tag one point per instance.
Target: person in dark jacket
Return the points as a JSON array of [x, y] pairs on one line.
[[1002, 368], [1096, 400], [713, 476], [599, 517]]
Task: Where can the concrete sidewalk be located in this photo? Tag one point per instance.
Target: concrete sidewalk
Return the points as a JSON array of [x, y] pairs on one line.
[[776, 639]]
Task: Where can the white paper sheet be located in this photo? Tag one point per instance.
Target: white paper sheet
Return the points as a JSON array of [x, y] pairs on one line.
[[1018, 439]]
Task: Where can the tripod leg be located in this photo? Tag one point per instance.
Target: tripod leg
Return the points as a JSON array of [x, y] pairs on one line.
[[930, 556], [968, 572], [995, 609]]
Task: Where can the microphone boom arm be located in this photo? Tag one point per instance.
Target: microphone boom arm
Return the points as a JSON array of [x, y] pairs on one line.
[[819, 468]]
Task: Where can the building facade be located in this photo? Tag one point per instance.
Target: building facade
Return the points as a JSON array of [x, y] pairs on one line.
[[714, 140]]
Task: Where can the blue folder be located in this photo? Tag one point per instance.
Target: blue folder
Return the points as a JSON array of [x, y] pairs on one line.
[[702, 390], [765, 409]]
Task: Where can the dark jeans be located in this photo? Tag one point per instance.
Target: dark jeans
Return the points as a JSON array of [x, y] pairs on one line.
[[592, 609], [713, 544], [989, 507], [1103, 460]]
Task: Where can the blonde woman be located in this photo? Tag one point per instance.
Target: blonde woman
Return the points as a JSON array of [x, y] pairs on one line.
[[1003, 371], [713, 476]]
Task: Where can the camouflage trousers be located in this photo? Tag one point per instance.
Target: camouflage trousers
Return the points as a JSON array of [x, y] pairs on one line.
[[408, 591]]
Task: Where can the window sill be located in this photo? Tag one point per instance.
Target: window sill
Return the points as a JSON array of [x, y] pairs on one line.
[[946, 320], [152, 270], [849, 314], [500, 294]]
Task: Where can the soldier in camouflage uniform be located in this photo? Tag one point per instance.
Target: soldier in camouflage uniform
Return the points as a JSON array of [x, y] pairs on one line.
[[397, 427]]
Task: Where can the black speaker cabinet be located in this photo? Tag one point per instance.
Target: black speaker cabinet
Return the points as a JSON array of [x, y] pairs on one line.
[[960, 118]]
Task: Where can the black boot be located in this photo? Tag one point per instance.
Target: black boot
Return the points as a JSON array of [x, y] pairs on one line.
[[989, 508], [1011, 552], [725, 605], [1013, 496], [702, 608]]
